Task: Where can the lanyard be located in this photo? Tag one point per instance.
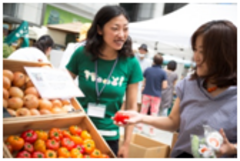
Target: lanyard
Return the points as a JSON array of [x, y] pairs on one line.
[[96, 83]]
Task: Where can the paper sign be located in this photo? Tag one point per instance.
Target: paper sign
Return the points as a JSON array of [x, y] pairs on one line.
[[53, 83]]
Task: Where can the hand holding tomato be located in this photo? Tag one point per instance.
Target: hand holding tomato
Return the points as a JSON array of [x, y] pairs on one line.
[[120, 117], [123, 118]]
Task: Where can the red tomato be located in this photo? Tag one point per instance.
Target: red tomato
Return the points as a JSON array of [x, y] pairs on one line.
[[67, 143], [66, 134], [120, 118], [55, 134], [80, 148], [29, 136], [38, 154], [23, 154], [28, 147], [75, 130], [52, 144]]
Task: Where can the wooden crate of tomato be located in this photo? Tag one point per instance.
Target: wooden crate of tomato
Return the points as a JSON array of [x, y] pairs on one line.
[[66, 137]]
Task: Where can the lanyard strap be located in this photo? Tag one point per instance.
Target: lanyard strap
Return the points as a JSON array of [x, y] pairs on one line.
[[96, 83]]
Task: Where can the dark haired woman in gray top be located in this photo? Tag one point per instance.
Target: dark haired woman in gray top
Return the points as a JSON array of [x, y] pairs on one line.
[[209, 96]]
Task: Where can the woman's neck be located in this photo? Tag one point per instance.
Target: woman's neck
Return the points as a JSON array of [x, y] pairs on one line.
[[108, 54]]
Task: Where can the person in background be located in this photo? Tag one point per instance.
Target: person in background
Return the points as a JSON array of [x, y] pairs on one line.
[[167, 94], [144, 62], [209, 96], [106, 69], [141, 56], [38, 53], [154, 82]]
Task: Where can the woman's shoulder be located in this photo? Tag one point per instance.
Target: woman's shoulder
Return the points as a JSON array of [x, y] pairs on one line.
[[130, 59], [81, 52], [186, 81]]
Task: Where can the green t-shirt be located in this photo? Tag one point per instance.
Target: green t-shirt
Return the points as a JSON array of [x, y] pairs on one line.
[[127, 71]]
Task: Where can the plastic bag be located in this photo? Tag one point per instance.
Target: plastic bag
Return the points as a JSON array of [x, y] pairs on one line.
[[207, 146]]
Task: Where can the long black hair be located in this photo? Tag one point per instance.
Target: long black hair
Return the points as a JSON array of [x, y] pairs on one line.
[[44, 42], [95, 41]]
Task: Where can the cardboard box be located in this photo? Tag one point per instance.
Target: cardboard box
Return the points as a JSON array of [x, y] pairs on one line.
[[144, 147], [16, 128]]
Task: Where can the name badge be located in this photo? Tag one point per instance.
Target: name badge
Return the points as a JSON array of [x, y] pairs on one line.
[[96, 110]]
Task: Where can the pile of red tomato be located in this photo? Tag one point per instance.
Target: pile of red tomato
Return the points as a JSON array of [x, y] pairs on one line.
[[57, 143]]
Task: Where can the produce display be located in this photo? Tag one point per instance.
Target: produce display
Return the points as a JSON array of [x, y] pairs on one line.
[[55, 143], [21, 98]]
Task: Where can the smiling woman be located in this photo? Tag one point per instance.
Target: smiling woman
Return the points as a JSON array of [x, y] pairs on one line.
[[209, 96], [106, 69]]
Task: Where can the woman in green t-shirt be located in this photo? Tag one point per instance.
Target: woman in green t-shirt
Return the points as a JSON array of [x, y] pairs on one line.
[[106, 69]]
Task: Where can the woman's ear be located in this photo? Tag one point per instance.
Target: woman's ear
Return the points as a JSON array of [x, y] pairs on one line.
[[99, 30]]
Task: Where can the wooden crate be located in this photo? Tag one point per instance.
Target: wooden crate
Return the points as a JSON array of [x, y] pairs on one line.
[[17, 65], [77, 109], [64, 122]]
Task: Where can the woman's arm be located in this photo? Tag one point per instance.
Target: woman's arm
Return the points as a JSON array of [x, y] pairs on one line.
[[170, 123], [131, 104]]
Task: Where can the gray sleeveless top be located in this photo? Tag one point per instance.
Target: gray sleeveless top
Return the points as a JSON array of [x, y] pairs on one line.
[[198, 107]]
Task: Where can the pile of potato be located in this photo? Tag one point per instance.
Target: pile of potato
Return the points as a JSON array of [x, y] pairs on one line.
[[21, 98]]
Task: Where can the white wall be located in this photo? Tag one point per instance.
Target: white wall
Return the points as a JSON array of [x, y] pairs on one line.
[[158, 10], [31, 12], [87, 10]]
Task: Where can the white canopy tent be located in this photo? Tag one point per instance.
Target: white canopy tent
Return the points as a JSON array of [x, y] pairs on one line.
[[171, 34]]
